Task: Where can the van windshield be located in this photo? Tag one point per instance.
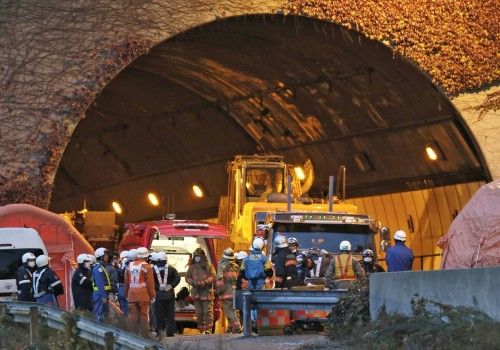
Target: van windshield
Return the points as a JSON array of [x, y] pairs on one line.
[[179, 261], [10, 261], [327, 236]]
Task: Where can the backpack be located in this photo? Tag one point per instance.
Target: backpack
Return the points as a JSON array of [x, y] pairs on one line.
[[254, 265]]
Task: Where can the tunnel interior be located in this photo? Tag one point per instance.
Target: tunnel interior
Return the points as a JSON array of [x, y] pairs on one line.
[[293, 86]]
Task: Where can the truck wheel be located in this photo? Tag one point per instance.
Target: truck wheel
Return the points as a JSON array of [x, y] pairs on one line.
[[288, 330], [180, 329]]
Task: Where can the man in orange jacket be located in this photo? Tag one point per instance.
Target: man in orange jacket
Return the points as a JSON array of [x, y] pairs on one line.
[[140, 290]]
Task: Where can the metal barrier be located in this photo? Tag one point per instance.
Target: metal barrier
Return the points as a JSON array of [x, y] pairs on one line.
[[86, 328], [421, 258], [278, 299]]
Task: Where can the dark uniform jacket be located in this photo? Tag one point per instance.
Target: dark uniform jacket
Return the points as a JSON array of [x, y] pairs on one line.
[[24, 283], [372, 267], [48, 282], [285, 268], [304, 264], [399, 258], [81, 286], [113, 277], [121, 273], [173, 279]]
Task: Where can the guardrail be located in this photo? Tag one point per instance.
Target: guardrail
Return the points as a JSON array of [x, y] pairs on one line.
[[86, 328], [278, 299]]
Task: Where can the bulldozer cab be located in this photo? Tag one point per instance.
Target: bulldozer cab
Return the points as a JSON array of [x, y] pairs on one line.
[[252, 180], [261, 181]]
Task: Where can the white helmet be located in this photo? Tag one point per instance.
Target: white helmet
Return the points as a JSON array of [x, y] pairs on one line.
[[91, 258], [42, 260], [400, 235], [27, 256], [345, 245], [162, 256], [142, 252], [124, 254], [99, 252], [82, 258], [153, 256], [242, 255], [280, 241], [258, 243], [132, 254], [228, 254]]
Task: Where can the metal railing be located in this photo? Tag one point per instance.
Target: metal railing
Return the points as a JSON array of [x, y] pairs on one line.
[[421, 258], [277, 299], [86, 328]]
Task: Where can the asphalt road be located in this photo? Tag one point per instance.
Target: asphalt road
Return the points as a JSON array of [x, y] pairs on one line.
[[238, 342]]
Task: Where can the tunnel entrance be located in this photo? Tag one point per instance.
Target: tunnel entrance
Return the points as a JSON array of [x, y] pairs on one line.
[[294, 86]]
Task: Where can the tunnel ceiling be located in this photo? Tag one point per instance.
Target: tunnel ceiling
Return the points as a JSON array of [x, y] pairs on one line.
[[293, 86]]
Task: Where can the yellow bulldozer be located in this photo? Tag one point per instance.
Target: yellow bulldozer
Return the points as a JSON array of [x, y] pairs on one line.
[[262, 185]]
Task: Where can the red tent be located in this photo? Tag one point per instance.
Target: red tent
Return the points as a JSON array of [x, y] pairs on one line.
[[63, 242], [473, 239]]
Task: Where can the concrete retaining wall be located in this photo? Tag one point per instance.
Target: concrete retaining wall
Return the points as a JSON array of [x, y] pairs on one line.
[[476, 288]]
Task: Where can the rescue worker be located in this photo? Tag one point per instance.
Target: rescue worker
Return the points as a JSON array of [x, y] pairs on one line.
[[399, 257], [285, 264], [122, 300], [46, 285], [227, 275], [24, 277], [101, 285], [112, 273], [201, 275], [303, 262], [166, 279], [152, 260], [241, 283], [140, 290], [343, 269], [369, 264], [81, 284], [256, 266]]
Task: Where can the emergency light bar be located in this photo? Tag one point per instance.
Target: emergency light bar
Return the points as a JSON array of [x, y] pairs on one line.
[[192, 226]]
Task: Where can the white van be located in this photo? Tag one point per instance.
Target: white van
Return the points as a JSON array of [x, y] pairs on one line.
[[14, 242]]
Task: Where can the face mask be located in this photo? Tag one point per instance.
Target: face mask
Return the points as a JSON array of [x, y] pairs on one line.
[[197, 259], [86, 265], [31, 263], [367, 259]]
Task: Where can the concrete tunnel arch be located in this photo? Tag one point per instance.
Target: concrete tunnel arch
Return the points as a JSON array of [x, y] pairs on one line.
[[297, 86]]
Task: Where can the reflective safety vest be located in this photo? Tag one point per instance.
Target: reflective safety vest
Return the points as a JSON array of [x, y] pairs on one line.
[[37, 278], [343, 267], [161, 281], [36, 284], [107, 287], [137, 279]]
